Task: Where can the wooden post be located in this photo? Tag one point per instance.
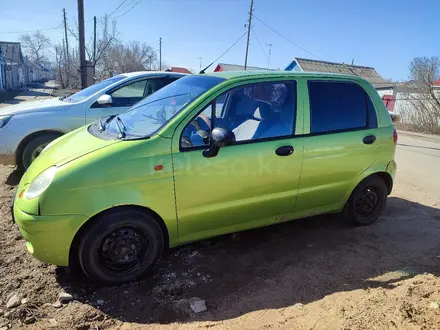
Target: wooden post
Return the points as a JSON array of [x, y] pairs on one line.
[[82, 44], [248, 35]]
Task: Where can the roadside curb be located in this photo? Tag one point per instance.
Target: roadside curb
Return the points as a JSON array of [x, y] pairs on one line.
[[422, 135]]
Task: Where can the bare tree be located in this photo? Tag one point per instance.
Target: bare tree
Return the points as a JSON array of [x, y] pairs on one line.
[[134, 56], [35, 45], [421, 97], [107, 36]]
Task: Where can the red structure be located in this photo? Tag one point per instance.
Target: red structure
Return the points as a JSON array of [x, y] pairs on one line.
[[389, 101], [178, 69]]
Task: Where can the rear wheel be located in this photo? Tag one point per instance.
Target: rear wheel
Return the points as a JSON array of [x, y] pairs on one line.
[[34, 148], [366, 202], [120, 246]]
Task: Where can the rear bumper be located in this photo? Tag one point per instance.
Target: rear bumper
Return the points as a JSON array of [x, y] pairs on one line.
[[392, 168], [48, 238]]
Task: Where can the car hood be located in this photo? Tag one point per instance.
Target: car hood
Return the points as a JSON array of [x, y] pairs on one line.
[[34, 106], [65, 149]]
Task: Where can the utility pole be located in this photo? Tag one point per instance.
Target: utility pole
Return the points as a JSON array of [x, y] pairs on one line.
[[94, 44], [270, 52], [66, 50], [248, 34], [160, 54], [65, 36], [82, 44]]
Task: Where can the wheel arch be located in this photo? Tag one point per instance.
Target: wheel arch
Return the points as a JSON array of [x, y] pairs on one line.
[[30, 137], [73, 251], [387, 178]]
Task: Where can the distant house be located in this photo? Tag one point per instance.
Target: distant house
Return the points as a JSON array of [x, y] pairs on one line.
[[178, 69], [405, 99], [368, 73], [234, 67], [34, 72], [14, 65], [16, 71]]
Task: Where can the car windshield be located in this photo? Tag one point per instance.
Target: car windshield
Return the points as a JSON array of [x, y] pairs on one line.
[[89, 91], [151, 114]]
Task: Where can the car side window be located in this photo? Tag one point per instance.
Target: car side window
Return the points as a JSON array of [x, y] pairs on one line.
[[339, 106], [252, 112], [260, 111], [129, 94], [197, 132], [153, 85]]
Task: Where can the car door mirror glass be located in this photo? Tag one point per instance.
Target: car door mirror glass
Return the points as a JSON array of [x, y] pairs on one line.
[[104, 99], [222, 137]]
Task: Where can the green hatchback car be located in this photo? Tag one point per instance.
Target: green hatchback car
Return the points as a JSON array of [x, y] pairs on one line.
[[207, 155]]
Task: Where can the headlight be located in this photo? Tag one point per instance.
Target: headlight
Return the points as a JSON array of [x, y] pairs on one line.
[[4, 120], [41, 183]]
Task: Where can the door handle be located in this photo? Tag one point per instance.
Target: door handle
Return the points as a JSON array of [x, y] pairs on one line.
[[284, 151], [369, 139]]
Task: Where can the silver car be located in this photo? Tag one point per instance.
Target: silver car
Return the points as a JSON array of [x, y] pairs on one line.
[[25, 129]]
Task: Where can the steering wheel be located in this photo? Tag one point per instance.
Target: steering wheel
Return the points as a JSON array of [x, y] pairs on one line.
[[198, 129]]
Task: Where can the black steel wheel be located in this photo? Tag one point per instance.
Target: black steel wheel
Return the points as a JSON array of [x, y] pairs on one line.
[[120, 246], [367, 201]]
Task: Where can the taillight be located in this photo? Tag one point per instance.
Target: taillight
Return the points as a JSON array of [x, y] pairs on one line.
[[395, 136]]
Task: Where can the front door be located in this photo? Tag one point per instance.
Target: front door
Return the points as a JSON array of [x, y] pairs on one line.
[[125, 96], [342, 142], [250, 183]]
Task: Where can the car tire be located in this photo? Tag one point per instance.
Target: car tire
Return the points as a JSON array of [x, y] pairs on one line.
[[33, 149], [367, 201], [121, 246]]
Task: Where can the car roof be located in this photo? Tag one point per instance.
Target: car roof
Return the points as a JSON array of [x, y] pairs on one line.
[[278, 74], [151, 73]]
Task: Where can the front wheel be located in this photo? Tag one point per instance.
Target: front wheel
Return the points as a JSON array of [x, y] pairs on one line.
[[120, 246], [34, 148], [366, 202]]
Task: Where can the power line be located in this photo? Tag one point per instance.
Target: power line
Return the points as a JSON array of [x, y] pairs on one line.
[[261, 47], [284, 37], [117, 8], [227, 50], [129, 9], [28, 31]]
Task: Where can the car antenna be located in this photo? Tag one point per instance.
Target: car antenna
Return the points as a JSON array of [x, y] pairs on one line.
[[203, 71], [227, 50]]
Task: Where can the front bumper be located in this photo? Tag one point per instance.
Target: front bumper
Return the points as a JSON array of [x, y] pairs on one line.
[[9, 142], [48, 238]]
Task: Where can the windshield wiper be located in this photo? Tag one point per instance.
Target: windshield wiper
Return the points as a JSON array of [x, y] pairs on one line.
[[102, 125], [121, 127]]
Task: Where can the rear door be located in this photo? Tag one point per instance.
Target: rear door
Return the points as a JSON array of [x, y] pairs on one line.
[[341, 143]]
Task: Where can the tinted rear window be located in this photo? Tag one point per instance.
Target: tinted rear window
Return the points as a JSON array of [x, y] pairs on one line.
[[339, 106]]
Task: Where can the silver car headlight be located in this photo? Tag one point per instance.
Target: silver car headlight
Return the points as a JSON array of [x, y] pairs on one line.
[[4, 120], [41, 183]]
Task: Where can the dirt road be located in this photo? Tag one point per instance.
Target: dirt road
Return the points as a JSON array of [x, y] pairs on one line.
[[35, 92], [313, 273]]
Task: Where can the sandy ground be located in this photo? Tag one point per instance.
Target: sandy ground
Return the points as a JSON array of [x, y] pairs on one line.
[[315, 273]]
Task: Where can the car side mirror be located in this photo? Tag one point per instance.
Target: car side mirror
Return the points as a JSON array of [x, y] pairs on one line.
[[221, 137], [104, 99]]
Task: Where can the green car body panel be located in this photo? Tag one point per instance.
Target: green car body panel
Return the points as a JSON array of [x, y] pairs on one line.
[[244, 186]]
